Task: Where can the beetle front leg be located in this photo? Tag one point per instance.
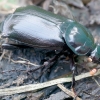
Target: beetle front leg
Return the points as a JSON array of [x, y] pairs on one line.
[[73, 68]]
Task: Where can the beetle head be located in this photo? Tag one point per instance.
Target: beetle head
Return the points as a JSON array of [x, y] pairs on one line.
[[95, 54], [77, 37]]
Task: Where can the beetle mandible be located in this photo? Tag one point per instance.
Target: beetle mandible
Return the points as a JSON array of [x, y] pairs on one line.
[[35, 27]]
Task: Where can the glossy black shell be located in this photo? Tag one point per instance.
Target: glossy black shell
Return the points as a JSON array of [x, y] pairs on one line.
[[36, 27]]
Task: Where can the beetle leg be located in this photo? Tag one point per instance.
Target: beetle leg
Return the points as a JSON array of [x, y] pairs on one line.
[[14, 46], [73, 68], [8, 46], [48, 63]]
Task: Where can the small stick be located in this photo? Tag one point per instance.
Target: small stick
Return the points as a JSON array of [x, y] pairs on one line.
[[96, 81], [34, 87], [3, 53], [25, 61], [68, 92]]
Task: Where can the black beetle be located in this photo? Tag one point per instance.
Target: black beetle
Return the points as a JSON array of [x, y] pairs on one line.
[[36, 27]]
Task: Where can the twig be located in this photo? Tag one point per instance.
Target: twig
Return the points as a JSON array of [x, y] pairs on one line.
[[7, 12], [46, 4], [23, 62], [68, 92], [2, 55], [96, 81], [34, 87], [91, 94]]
